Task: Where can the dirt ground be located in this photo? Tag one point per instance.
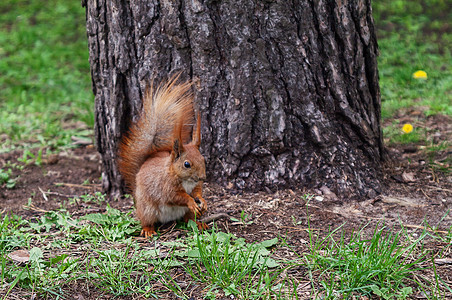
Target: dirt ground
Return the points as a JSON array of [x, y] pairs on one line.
[[417, 190]]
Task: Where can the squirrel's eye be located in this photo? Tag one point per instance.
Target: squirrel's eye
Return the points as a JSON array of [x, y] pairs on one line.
[[187, 164]]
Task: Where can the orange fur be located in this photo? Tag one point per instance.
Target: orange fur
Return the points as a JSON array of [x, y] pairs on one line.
[[153, 157]]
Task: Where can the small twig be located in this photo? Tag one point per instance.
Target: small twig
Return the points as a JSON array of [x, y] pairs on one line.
[[422, 190], [168, 230], [81, 141], [83, 186], [301, 229], [61, 195], [32, 207], [43, 194], [434, 176], [424, 228], [215, 217], [438, 188]]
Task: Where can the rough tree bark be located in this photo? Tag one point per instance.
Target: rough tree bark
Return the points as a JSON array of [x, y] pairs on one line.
[[288, 89]]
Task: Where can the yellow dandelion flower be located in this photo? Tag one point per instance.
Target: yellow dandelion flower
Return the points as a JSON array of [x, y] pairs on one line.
[[420, 75], [407, 128]]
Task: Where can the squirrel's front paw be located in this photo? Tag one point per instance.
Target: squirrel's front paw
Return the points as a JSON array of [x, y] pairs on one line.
[[194, 208], [202, 204]]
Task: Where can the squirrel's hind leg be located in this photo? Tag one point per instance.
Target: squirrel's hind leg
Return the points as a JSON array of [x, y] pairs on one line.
[[148, 231], [191, 216]]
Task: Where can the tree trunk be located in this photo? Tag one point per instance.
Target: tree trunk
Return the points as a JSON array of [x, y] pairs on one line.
[[288, 90]]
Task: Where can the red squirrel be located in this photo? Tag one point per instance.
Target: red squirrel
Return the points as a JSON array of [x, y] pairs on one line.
[[160, 165]]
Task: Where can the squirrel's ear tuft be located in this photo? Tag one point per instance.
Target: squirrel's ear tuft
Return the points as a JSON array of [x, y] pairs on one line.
[[178, 148]]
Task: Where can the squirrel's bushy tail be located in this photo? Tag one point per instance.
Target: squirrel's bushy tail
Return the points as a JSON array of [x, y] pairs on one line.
[[163, 109]]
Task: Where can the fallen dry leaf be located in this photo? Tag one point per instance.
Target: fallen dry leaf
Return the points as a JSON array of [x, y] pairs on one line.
[[328, 193], [318, 198], [408, 177], [20, 256]]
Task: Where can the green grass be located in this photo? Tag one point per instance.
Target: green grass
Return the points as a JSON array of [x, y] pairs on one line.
[[389, 263], [396, 135], [99, 250], [414, 36], [45, 78], [381, 265], [223, 262]]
